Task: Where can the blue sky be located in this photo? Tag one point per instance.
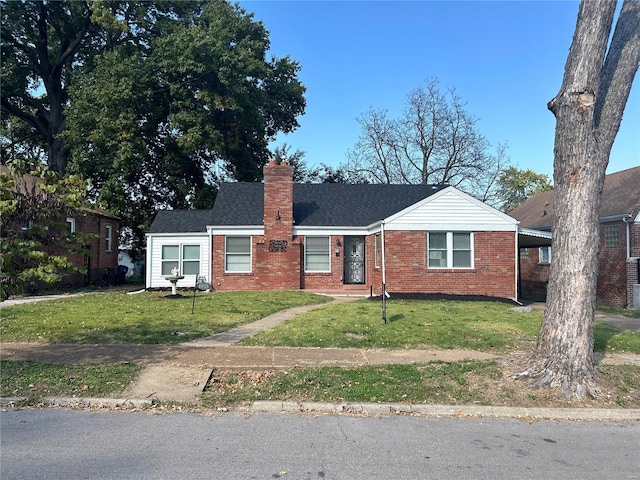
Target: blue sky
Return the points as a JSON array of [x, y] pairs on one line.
[[504, 58]]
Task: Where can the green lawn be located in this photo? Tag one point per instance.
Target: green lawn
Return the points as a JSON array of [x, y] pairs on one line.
[[447, 324], [147, 317], [36, 380], [455, 383], [150, 317]]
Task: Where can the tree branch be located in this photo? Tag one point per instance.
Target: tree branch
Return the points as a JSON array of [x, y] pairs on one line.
[[25, 116], [617, 74]]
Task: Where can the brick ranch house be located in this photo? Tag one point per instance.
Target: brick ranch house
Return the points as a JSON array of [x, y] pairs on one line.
[[103, 262], [340, 237], [619, 260]]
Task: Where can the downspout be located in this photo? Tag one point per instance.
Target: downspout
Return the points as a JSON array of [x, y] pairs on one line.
[[384, 266], [384, 275], [517, 263], [625, 220], [149, 265], [210, 266]]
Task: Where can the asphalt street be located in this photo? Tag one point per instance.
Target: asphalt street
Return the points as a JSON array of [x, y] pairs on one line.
[[65, 444]]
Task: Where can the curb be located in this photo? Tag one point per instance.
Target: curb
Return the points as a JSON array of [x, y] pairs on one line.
[[377, 409], [12, 402], [459, 411]]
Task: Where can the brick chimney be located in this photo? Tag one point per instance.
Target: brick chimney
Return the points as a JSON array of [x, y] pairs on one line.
[[278, 202]]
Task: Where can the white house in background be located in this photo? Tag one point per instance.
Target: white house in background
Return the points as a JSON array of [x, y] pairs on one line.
[[178, 239]]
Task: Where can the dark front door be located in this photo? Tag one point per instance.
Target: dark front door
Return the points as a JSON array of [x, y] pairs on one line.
[[354, 260]]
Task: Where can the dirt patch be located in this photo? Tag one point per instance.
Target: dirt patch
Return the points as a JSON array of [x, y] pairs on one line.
[[616, 392]]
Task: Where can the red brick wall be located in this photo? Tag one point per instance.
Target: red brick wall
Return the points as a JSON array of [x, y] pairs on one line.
[[277, 256], [406, 271], [493, 273], [616, 275], [101, 259], [612, 268], [632, 264]]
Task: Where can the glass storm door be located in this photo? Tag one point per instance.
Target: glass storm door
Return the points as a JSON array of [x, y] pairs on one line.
[[354, 260]]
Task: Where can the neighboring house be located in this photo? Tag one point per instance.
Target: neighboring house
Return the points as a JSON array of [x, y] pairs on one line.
[[339, 237], [102, 264], [619, 240]]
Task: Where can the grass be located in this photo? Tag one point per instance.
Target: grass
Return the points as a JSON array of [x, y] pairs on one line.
[[149, 317], [455, 383], [446, 324], [387, 383], [35, 380]]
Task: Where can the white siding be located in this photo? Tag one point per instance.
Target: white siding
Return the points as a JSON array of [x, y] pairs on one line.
[[450, 210], [155, 279]]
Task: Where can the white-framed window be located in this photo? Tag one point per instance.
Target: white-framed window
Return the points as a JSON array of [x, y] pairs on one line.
[[450, 250], [317, 254], [186, 258], [237, 254], [71, 225], [377, 250], [108, 237], [170, 258], [190, 260], [544, 255]]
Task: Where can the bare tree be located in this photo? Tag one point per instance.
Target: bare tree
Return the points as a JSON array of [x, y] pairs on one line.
[[588, 109], [435, 141]]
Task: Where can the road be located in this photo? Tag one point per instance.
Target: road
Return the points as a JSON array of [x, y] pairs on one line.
[[66, 444]]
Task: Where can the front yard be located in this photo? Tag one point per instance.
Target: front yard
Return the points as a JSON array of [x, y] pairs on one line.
[[412, 324], [149, 317]]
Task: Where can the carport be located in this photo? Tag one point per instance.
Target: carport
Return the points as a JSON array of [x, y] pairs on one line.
[[530, 238]]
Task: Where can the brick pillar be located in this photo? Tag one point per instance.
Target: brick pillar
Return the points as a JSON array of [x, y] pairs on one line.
[[278, 202], [278, 260]]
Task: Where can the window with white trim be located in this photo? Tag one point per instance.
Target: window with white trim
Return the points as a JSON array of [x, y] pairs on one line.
[[317, 254], [170, 258], [190, 260], [71, 225], [450, 250], [544, 255], [108, 237], [237, 255], [377, 250], [186, 258]]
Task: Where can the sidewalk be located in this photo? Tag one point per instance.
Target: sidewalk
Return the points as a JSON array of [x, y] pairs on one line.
[[180, 372]]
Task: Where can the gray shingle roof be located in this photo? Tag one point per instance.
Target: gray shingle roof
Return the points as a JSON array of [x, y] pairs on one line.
[[315, 205], [324, 204], [181, 221]]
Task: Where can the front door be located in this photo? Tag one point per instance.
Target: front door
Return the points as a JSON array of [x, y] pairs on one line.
[[354, 260]]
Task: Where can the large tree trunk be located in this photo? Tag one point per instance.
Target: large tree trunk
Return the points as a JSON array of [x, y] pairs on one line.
[[588, 112]]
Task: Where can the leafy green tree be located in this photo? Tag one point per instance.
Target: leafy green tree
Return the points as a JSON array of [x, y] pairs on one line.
[[34, 238], [144, 98], [516, 185], [302, 173]]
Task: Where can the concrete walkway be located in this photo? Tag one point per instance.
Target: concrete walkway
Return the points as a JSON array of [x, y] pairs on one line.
[[180, 372]]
